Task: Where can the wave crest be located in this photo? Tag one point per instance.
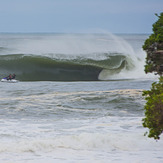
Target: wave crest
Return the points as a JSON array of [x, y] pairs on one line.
[[46, 68]]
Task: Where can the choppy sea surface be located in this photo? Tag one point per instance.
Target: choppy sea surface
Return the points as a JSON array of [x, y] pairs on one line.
[[78, 99]]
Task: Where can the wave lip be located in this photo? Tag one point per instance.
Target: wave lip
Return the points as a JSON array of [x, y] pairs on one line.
[[46, 68]]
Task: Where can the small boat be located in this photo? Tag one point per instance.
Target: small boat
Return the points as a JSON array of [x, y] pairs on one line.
[[9, 80]]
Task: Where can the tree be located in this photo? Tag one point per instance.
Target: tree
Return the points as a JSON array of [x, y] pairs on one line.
[[154, 97], [157, 35], [154, 110], [154, 48]]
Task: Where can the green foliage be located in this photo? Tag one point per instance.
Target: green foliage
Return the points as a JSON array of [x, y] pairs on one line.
[[154, 97], [149, 41], [154, 110], [157, 35], [154, 48], [158, 28], [148, 67]]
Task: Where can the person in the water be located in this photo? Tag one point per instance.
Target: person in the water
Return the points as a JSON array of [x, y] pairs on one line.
[[13, 76], [9, 77]]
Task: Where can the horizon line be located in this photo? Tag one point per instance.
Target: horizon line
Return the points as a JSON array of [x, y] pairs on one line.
[[73, 33]]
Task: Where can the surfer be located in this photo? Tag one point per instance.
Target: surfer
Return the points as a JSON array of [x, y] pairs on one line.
[[13, 76], [9, 77]]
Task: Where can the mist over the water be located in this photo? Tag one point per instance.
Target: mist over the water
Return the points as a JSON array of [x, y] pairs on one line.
[[77, 121], [72, 57]]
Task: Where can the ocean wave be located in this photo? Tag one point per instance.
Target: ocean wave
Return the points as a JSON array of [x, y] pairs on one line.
[[53, 68]]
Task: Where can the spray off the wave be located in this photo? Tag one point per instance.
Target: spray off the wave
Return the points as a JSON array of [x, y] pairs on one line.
[[74, 121], [60, 57]]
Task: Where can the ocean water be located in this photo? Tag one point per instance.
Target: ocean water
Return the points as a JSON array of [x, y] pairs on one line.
[[78, 99]]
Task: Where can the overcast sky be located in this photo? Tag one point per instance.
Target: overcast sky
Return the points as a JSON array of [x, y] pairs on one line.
[[79, 16]]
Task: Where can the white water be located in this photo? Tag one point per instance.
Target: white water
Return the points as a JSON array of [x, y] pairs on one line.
[[105, 139], [73, 46], [97, 122]]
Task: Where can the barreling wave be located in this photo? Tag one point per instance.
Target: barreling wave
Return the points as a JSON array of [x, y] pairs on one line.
[[46, 68]]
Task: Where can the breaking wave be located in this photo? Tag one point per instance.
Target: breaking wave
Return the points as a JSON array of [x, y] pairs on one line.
[[43, 68], [71, 57]]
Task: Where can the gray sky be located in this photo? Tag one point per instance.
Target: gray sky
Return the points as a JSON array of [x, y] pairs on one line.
[[79, 16]]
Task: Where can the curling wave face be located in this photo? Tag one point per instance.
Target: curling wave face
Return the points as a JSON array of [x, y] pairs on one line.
[[46, 68], [71, 57]]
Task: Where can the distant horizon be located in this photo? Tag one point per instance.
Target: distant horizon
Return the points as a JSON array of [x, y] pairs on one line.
[[74, 33]]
